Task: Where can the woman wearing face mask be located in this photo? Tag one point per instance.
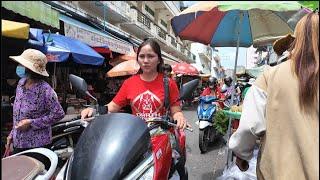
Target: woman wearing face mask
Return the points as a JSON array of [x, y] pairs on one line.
[[36, 106], [144, 92]]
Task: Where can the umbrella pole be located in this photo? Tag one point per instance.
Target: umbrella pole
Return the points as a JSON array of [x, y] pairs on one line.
[[54, 80], [229, 154]]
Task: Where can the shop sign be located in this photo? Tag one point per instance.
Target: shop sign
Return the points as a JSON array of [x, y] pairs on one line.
[[94, 39]]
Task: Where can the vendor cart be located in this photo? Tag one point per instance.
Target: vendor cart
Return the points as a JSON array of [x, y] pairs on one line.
[[234, 118]]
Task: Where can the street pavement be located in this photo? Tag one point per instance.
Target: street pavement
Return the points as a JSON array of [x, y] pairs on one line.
[[205, 166]]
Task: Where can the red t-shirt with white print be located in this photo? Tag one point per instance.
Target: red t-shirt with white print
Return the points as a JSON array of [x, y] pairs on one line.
[[146, 98]]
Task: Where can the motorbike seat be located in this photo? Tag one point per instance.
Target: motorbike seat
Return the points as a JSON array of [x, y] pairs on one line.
[[21, 167]]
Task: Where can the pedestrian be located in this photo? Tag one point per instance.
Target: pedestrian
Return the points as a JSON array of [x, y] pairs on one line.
[[167, 69], [147, 96], [213, 89], [282, 110], [250, 83], [36, 106], [227, 88]]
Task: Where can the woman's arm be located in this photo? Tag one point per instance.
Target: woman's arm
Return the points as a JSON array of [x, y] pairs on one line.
[[252, 124], [178, 116], [113, 107]]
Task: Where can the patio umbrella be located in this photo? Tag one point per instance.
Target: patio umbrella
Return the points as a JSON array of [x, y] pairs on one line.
[[59, 48], [185, 69], [122, 58], [234, 24], [125, 68]]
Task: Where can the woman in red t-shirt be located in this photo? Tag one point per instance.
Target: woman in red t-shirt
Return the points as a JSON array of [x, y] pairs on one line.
[[144, 92]]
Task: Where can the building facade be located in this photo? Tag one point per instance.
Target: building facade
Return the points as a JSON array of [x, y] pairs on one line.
[[131, 21]]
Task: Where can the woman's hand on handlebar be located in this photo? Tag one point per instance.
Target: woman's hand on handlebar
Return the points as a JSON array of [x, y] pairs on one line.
[[87, 112]]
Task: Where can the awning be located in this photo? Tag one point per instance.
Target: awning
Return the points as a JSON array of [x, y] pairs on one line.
[[92, 36], [36, 10], [14, 29]]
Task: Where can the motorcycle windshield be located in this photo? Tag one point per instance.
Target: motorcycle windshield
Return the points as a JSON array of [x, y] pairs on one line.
[[110, 147]]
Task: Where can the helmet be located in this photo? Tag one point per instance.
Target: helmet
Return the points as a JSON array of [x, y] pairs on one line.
[[213, 81], [228, 81]]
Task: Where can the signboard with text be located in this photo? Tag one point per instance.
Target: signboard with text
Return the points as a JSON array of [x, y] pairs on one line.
[[96, 40]]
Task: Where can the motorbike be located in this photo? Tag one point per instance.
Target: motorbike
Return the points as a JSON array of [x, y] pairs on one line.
[[65, 135], [38, 164], [206, 111], [123, 146]]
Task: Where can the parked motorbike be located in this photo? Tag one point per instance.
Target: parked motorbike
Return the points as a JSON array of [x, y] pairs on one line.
[[38, 164], [123, 146], [66, 132], [206, 111], [65, 135]]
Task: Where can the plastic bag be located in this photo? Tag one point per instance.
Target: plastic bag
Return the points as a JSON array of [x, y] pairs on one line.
[[7, 151], [233, 172]]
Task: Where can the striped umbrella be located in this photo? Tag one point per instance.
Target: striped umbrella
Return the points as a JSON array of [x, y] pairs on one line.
[[235, 24], [220, 23]]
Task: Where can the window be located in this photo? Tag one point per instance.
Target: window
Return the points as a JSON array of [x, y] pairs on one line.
[[149, 10], [163, 23]]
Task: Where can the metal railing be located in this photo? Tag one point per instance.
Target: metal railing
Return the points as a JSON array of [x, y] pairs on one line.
[[173, 42], [161, 33], [142, 18]]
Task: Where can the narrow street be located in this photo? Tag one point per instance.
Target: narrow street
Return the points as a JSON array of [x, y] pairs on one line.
[[205, 166]]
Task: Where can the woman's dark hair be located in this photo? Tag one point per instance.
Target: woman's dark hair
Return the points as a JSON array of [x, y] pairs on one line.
[[156, 48], [167, 67], [305, 56]]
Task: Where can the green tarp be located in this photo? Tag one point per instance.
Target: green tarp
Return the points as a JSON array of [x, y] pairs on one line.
[[36, 10]]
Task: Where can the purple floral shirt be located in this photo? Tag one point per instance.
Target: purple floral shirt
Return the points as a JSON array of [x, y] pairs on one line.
[[39, 104]]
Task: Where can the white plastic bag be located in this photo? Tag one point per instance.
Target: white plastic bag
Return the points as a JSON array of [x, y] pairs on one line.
[[233, 172]]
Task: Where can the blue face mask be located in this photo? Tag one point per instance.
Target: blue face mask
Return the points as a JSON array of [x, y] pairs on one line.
[[21, 71]]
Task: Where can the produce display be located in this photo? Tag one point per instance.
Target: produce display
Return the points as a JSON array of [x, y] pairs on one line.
[[236, 108], [221, 122]]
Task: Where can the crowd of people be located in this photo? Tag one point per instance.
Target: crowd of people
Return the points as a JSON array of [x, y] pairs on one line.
[[281, 108]]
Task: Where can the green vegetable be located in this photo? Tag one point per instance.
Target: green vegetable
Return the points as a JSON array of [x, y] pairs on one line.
[[221, 122]]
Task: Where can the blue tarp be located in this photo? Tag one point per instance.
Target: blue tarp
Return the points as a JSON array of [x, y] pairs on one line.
[[59, 48]]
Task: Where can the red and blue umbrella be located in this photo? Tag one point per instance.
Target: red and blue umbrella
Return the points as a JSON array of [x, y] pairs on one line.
[[235, 24], [217, 22]]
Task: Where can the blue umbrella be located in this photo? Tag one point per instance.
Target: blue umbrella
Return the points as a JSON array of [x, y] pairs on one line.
[[59, 48]]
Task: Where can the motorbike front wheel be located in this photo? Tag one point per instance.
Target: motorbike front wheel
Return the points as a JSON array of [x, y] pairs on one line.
[[203, 140]]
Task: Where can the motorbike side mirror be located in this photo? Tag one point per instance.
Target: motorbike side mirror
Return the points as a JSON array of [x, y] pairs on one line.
[[80, 84], [187, 89]]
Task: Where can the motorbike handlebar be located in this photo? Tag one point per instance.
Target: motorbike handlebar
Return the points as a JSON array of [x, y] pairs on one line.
[[162, 120]]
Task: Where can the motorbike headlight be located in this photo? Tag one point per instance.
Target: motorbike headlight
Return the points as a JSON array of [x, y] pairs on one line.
[[206, 106], [148, 174]]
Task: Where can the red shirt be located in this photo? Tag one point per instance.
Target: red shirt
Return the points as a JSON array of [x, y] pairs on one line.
[[146, 98]]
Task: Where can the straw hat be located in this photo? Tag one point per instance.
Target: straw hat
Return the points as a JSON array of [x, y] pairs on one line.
[[283, 44], [34, 60]]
